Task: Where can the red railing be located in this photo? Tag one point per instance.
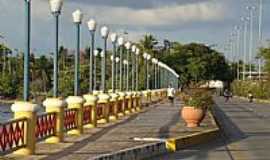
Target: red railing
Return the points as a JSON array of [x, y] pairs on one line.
[[70, 118], [87, 115], [119, 106], [111, 108], [100, 109], [126, 104], [12, 135], [45, 126]]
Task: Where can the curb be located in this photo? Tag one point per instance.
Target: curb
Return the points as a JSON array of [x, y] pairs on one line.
[[255, 99], [159, 148]]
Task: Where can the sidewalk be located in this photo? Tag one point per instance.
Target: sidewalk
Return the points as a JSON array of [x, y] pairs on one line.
[[156, 121]]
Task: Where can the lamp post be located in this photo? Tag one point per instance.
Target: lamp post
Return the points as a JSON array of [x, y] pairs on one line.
[[238, 45], [125, 62], [77, 19], [117, 59], [121, 43], [92, 28], [148, 76], [146, 70], [56, 6], [260, 33], [27, 50], [137, 68], [95, 68], [127, 45], [250, 9], [114, 40], [104, 34], [245, 21], [133, 50]]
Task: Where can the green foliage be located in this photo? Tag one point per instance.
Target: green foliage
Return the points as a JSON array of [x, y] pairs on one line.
[[8, 85], [198, 99]]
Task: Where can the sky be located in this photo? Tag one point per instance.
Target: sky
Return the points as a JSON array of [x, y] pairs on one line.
[[203, 21]]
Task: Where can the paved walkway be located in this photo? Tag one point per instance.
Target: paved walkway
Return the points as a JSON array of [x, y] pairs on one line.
[[246, 134], [157, 121]]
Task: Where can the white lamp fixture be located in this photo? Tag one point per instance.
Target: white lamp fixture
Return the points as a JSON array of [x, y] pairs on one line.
[[145, 55], [120, 41], [112, 58], [104, 31], [56, 5], [128, 45], [92, 25], [137, 51], [102, 54], [77, 16], [148, 57], [113, 37], [96, 52], [125, 62], [117, 59], [133, 48]]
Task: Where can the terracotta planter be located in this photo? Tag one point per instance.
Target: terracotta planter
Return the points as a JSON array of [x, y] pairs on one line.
[[192, 116]]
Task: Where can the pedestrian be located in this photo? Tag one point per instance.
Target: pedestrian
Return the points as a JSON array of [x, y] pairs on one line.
[[171, 94], [250, 97], [227, 94]]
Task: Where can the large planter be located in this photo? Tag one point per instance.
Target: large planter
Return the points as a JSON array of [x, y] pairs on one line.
[[192, 116]]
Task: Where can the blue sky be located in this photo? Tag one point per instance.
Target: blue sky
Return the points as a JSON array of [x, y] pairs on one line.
[[206, 21]]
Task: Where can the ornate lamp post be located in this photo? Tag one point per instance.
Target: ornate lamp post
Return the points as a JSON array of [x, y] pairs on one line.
[[117, 60], [155, 61], [133, 50], [56, 6], [137, 53], [27, 50], [104, 33], [77, 19], [95, 68], [127, 45], [146, 70], [121, 43], [92, 28], [114, 40], [125, 62], [148, 76]]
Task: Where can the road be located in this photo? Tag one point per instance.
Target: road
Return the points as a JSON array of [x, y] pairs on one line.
[[245, 136]]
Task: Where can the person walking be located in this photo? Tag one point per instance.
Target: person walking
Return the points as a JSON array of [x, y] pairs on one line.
[[171, 94]]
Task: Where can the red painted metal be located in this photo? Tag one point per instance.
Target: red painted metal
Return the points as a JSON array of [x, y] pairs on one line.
[[70, 117], [45, 126], [126, 104], [111, 105], [12, 135], [100, 110], [119, 106], [87, 114]]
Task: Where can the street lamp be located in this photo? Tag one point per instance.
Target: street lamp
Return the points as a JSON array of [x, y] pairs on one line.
[[127, 45], [92, 28], [137, 53], [56, 6], [121, 43], [125, 62], [77, 19], [148, 76], [250, 9], [155, 62], [245, 21], [117, 59], [104, 31], [133, 50], [27, 50], [146, 70], [95, 68], [114, 40]]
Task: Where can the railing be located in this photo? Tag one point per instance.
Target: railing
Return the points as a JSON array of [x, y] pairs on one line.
[[12, 135], [45, 126], [126, 104], [111, 108], [119, 105], [87, 115], [70, 119], [100, 110]]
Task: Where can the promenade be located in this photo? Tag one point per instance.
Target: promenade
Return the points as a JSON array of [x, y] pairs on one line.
[[246, 134], [155, 123]]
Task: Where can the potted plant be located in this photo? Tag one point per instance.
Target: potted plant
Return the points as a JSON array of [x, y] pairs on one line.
[[195, 106]]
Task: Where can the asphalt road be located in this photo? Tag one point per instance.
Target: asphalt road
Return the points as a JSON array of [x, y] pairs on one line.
[[246, 134]]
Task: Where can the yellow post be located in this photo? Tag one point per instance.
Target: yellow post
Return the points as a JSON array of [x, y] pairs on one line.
[[134, 102], [138, 102], [29, 111], [56, 105], [114, 101], [104, 99], [122, 98], [91, 101], [76, 102], [129, 99]]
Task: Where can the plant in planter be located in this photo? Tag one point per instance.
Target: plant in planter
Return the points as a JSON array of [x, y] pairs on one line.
[[195, 106]]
